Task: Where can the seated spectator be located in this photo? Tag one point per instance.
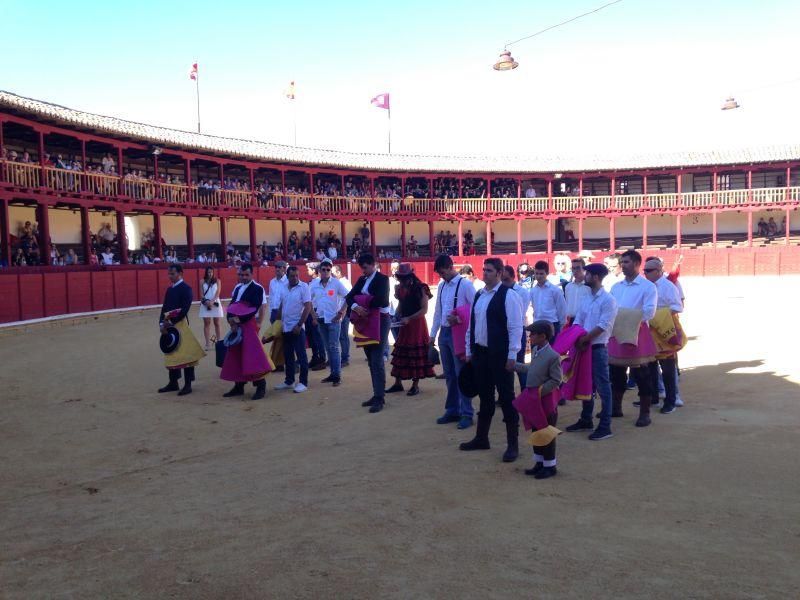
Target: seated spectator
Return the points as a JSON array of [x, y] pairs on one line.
[[763, 228], [772, 228], [71, 258], [108, 256], [19, 259], [333, 252], [93, 258], [172, 255]]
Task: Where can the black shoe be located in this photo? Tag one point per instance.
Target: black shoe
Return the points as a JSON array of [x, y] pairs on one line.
[[536, 468], [369, 402], [345, 363], [414, 391], [511, 454], [546, 472], [172, 386], [581, 425], [236, 390], [562, 402], [614, 414], [376, 406], [328, 379], [187, 389], [667, 409], [337, 382], [261, 390], [475, 444], [397, 387], [320, 366], [600, 434], [643, 421], [280, 369]]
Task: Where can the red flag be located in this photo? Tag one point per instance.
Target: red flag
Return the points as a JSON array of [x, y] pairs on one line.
[[193, 72], [381, 101]]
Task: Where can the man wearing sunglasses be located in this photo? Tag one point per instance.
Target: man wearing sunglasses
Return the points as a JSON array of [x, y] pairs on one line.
[[327, 298]]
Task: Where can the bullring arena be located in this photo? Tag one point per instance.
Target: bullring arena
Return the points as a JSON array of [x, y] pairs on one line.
[[111, 490]]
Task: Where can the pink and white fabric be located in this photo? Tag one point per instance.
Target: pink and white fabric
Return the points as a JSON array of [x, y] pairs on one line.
[[535, 408], [576, 364], [193, 72], [381, 101], [459, 330]]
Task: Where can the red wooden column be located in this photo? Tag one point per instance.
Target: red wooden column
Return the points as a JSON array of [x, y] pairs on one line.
[[285, 238], [788, 224], [312, 231], [431, 237], [750, 227], [750, 187], [488, 195], [714, 228], [119, 162], [42, 173], [519, 236], [644, 232], [342, 237], [460, 195], [122, 238], [253, 241], [223, 236], [788, 178], [549, 236], [461, 237], [488, 238], [159, 251], [645, 200], [612, 235], [580, 232], [402, 239], [311, 190], [5, 230], [372, 240], [613, 192], [1, 143], [43, 217], [580, 200], [519, 194], [252, 185], [550, 194], [190, 236], [679, 187], [84, 178], [678, 240]]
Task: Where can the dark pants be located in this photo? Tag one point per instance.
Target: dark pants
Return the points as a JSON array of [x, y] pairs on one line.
[[556, 330], [273, 315], [294, 352], [641, 375], [395, 331], [523, 377], [175, 375], [547, 454], [669, 374], [314, 338], [344, 339], [494, 376], [377, 368]]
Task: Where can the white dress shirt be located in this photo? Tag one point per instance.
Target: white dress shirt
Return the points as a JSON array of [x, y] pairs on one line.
[[610, 280], [346, 283], [513, 321], [444, 300], [108, 258], [668, 295], [333, 252], [548, 303], [524, 300], [327, 298], [575, 293], [639, 293], [597, 310], [293, 301], [239, 290], [276, 289]]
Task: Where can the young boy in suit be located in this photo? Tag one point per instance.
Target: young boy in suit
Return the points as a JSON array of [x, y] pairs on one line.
[[543, 373]]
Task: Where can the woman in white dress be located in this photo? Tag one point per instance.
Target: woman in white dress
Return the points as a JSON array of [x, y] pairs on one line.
[[210, 306]]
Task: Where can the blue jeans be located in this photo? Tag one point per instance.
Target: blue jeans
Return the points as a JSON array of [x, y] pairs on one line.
[[456, 404], [344, 339], [330, 337], [601, 384], [377, 368], [294, 348]]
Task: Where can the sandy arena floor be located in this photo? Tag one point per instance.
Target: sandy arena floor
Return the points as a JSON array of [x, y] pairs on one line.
[[110, 490]]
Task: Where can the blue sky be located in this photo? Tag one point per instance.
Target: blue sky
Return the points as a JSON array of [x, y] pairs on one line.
[[639, 77]]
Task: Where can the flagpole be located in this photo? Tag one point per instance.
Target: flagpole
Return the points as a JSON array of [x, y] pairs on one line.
[[294, 111], [197, 93], [389, 110]]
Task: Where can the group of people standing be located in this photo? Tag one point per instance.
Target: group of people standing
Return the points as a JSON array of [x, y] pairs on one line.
[[586, 340]]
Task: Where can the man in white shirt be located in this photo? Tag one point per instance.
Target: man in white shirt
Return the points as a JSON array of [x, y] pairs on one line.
[[452, 292], [493, 340], [576, 290], [344, 334], [277, 286], [614, 271], [530, 192], [294, 309], [596, 315], [467, 272], [107, 256], [547, 299], [668, 297], [327, 297], [633, 292], [333, 253], [562, 274], [525, 300]]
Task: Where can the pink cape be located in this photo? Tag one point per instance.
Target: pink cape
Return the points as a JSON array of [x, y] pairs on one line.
[[366, 330], [576, 364], [628, 355], [459, 330], [247, 360], [534, 409]]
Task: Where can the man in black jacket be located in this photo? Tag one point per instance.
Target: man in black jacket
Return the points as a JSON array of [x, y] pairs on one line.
[[376, 284]]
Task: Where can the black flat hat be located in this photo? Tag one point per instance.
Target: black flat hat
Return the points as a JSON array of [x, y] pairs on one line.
[[169, 340], [467, 381]]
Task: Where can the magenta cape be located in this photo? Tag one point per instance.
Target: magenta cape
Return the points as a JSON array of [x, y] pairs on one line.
[[247, 360], [534, 409], [576, 364], [630, 355], [459, 330], [366, 330]]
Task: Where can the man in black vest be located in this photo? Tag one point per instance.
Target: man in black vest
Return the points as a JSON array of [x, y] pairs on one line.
[[376, 284], [493, 340], [248, 290]]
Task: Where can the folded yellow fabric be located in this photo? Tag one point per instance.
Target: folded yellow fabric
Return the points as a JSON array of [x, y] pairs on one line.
[[626, 325], [542, 437]]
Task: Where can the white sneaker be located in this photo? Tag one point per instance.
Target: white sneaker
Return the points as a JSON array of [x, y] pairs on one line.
[[284, 386], [678, 401], [299, 388]]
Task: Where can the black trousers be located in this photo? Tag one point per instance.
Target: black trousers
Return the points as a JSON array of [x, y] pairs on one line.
[[640, 374], [548, 452], [491, 369], [669, 373], [175, 375]]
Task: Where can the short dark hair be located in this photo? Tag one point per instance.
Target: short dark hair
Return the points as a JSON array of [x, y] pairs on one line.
[[496, 263], [291, 269], [542, 327], [652, 258], [366, 259], [634, 256], [443, 261], [466, 270], [541, 265], [615, 255], [509, 270], [177, 267], [578, 259], [246, 267]]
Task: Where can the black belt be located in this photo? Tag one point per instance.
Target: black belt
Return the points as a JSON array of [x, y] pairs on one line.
[[598, 345]]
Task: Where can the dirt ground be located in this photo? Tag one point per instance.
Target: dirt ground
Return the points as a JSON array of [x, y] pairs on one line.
[[109, 490]]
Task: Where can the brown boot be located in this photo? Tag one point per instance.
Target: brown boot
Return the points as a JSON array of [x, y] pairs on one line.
[[644, 411]]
